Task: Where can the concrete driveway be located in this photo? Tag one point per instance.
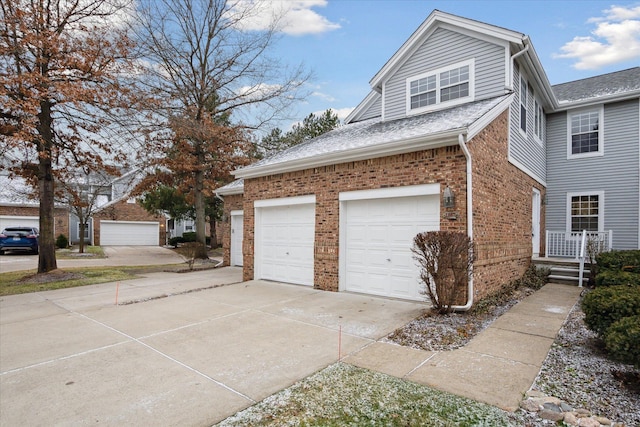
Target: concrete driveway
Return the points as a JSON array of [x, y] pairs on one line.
[[179, 349], [116, 255]]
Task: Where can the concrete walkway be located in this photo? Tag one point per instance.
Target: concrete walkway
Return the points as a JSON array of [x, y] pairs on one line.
[[497, 366]]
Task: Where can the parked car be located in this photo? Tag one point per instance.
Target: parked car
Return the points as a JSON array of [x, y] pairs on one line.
[[19, 239]]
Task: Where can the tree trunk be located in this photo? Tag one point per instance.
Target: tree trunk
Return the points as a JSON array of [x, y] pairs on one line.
[[201, 223], [214, 235], [83, 225], [46, 240]]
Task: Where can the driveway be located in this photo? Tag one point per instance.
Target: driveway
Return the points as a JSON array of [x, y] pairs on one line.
[[116, 255], [178, 349]]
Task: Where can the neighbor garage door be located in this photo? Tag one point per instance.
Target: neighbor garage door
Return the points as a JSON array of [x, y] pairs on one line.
[[18, 221], [378, 236], [285, 232], [129, 233]]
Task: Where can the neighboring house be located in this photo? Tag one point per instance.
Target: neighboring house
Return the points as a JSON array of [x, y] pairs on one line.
[[461, 131], [18, 209], [117, 219]]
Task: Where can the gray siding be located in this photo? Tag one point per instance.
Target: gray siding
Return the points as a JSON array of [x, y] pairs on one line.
[[445, 47], [526, 149], [374, 111], [617, 173]]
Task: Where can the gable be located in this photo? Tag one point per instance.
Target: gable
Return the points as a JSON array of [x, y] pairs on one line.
[[444, 48]]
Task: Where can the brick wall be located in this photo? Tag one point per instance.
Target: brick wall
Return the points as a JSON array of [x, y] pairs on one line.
[[502, 209], [445, 166], [61, 215], [501, 201], [124, 211], [231, 203]]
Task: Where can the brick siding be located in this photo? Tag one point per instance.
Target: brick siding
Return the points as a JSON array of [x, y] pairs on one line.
[[61, 215], [502, 210], [501, 202]]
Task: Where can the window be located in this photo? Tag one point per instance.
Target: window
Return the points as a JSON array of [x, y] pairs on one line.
[[538, 120], [523, 104], [86, 231], [585, 212], [189, 225], [585, 133], [448, 86]]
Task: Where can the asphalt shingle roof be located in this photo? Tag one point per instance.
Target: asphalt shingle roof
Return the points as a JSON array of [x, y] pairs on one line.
[[373, 132], [615, 83]]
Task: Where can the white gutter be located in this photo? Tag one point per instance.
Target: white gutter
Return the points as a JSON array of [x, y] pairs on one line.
[[513, 57], [467, 155]]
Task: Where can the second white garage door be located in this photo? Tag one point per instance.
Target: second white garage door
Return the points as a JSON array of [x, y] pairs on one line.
[[285, 240], [129, 233], [18, 221], [378, 237]]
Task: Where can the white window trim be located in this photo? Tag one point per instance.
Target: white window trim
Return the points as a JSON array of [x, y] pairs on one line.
[[600, 151], [537, 110], [440, 105], [86, 231], [523, 82], [600, 195]]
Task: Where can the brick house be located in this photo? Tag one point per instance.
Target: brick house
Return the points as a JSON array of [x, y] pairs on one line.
[[462, 109], [118, 221]]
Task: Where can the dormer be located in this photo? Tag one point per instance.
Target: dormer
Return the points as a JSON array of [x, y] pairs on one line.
[[447, 61]]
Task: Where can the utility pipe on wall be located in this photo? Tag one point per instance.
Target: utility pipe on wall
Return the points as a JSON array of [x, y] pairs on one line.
[[467, 155]]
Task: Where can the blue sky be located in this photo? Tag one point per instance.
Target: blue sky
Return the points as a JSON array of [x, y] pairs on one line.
[[345, 42]]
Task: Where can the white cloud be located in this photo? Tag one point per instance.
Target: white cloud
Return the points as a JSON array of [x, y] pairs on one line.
[[615, 39], [323, 96], [296, 17], [343, 112]]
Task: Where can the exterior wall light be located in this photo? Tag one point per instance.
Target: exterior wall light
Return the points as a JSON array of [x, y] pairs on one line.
[[449, 198]]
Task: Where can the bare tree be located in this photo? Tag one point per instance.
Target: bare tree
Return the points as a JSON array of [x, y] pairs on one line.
[[67, 86], [218, 82]]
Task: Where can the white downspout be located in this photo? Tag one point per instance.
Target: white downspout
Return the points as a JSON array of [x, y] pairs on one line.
[[467, 155], [511, 68]]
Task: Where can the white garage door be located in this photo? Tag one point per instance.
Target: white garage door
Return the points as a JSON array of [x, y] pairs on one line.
[[284, 241], [18, 221], [129, 233], [378, 239], [237, 233]]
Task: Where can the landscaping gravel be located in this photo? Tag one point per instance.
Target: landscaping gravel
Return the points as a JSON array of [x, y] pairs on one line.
[[576, 370]]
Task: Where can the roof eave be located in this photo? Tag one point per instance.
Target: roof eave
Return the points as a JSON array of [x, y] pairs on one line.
[[408, 145], [230, 192], [563, 106]]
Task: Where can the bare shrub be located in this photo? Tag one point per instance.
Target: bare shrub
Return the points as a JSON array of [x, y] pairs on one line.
[[445, 259], [190, 252]]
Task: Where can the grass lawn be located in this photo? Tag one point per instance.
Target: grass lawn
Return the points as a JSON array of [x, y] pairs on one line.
[[20, 282], [344, 395], [72, 253]]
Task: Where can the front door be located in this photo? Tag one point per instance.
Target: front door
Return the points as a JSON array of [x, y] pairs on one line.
[[535, 223]]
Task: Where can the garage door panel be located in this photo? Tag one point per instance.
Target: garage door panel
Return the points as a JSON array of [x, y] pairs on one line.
[[129, 233], [383, 230], [16, 221], [286, 243]]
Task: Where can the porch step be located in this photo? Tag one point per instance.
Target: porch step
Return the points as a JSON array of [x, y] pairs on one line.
[[564, 271]]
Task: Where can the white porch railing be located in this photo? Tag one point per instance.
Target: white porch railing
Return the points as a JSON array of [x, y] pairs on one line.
[[562, 244]]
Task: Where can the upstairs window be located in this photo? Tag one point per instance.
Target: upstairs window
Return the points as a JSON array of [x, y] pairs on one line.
[[585, 133], [538, 120], [523, 105], [445, 86]]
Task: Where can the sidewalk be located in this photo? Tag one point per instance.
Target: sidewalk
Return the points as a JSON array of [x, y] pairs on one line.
[[497, 366]]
